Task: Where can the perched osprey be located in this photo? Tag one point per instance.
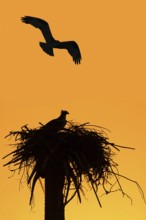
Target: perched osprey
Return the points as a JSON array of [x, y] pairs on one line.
[[71, 46], [56, 124]]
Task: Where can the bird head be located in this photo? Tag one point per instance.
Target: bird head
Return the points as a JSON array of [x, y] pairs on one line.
[[64, 112], [55, 43]]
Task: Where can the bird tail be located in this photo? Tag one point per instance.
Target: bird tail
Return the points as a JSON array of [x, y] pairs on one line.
[[47, 49]]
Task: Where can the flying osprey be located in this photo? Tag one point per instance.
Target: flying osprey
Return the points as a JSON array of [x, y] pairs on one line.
[[56, 124], [71, 46]]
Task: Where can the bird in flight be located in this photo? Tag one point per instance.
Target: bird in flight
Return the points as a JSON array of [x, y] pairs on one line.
[[57, 124], [71, 46]]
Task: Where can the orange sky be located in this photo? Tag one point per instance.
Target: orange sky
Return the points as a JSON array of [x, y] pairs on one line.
[[107, 89]]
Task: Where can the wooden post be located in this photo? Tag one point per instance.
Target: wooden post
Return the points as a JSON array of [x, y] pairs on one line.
[[54, 183]]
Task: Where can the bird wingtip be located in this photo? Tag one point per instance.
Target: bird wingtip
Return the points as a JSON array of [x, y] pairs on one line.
[[23, 19]]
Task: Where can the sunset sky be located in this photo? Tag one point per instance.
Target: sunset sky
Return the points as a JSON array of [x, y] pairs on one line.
[[108, 89]]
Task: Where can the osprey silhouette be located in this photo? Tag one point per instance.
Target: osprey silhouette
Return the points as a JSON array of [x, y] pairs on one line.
[[56, 124], [71, 46]]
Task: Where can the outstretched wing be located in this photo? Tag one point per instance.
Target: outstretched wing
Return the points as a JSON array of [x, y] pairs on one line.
[[41, 24], [73, 50]]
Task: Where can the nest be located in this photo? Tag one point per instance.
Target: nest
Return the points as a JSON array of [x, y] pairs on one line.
[[83, 151]]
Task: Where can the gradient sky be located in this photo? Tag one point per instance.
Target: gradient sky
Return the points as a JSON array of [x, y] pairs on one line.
[[108, 89]]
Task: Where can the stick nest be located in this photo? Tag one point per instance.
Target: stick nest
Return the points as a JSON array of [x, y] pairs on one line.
[[83, 150]]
